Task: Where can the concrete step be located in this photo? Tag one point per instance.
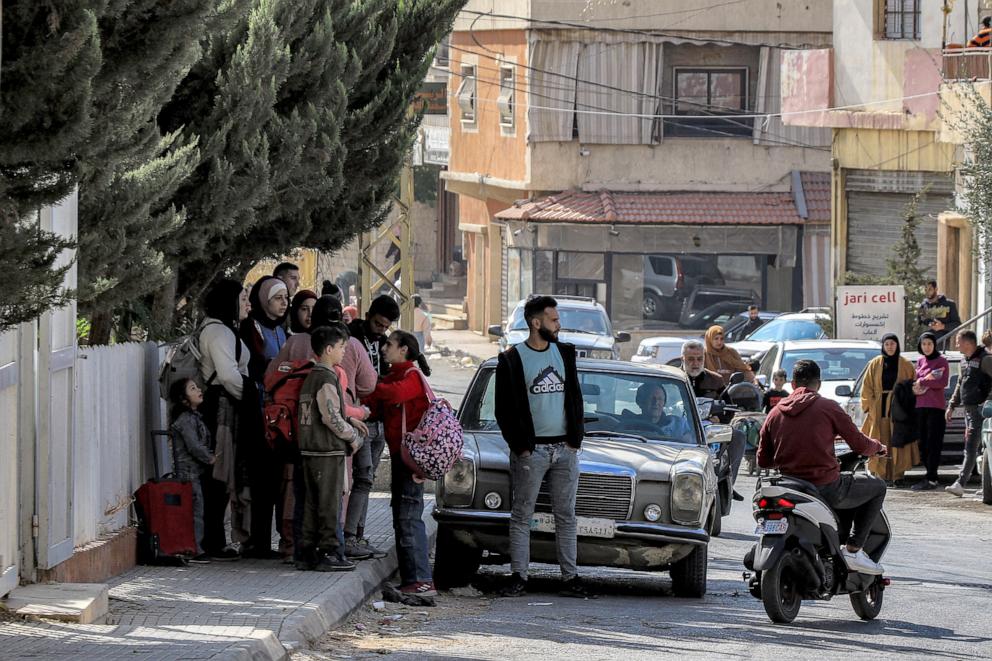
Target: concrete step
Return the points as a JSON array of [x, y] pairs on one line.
[[453, 308], [81, 603], [449, 322]]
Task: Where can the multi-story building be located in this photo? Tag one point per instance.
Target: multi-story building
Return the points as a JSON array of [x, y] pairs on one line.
[[888, 88], [589, 138]]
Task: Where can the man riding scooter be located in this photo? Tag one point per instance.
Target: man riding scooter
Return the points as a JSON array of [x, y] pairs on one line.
[[798, 439]]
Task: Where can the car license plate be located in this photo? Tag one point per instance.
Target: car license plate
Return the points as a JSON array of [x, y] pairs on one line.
[[587, 527], [772, 527]]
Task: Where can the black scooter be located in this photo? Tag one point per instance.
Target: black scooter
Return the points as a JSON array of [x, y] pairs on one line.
[[798, 555]]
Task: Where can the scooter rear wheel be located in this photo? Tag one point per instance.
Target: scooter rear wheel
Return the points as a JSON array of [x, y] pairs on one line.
[[781, 590], [868, 604]]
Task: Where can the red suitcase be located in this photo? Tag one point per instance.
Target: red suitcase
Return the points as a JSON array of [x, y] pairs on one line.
[[165, 519]]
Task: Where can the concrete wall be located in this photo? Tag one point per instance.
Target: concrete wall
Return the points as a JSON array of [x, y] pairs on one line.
[[752, 16], [487, 148], [722, 164]]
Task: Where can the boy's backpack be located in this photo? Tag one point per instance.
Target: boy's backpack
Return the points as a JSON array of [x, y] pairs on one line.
[[182, 361], [436, 444], [282, 401]]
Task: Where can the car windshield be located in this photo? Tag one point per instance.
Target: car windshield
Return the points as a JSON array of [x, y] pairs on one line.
[[572, 319], [780, 330], [655, 408], [835, 364]]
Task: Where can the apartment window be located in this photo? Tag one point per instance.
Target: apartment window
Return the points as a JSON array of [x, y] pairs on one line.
[[900, 19], [507, 83], [467, 95], [709, 98]]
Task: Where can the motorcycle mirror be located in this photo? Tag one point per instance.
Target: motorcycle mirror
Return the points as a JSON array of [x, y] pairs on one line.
[[737, 377]]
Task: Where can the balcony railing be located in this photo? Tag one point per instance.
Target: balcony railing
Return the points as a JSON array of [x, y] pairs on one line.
[[967, 63]]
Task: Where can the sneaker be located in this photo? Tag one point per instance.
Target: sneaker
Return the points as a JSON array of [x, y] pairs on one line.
[[354, 550], [924, 485], [738, 497], [226, 554], [366, 545], [329, 563], [955, 489], [516, 588], [861, 563], [574, 588], [420, 588]]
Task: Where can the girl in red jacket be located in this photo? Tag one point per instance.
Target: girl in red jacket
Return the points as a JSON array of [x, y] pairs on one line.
[[401, 393]]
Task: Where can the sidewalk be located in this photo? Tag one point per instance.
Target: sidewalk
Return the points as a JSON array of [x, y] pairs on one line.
[[465, 344], [251, 609]]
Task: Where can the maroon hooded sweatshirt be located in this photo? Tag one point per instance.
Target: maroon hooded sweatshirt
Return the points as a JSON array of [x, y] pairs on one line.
[[798, 437]]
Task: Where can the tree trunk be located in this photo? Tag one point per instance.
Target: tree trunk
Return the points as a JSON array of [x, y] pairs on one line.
[[101, 328], [164, 310]]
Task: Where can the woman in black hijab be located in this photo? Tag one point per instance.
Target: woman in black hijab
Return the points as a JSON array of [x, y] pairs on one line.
[[881, 376]]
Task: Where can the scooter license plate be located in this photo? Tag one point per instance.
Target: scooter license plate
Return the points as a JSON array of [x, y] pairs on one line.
[[772, 527]]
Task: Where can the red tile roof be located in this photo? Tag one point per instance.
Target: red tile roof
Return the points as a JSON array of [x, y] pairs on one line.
[[684, 208], [816, 187]]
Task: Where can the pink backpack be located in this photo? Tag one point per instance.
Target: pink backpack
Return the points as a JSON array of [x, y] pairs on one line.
[[435, 445]]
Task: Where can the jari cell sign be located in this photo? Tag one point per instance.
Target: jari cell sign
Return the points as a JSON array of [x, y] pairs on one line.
[[869, 312]]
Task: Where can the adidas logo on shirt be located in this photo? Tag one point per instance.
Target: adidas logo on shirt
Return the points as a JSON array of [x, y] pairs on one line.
[[548, 382]]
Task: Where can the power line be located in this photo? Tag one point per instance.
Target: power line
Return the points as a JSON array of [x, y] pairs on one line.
[[643, 33], [669, 122], [726, 118], [695, 10]]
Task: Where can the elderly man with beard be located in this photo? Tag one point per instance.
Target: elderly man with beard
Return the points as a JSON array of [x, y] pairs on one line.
[[709, 384], [540, 414]]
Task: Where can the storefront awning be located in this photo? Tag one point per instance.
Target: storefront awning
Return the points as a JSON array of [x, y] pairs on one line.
[[687, 208]]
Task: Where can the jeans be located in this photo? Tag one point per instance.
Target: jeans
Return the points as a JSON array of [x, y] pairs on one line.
[[862, 493], [407, 503], [299, 508], [561, 464], [972, 441], [932, 426], [364, 464], [735, 453]]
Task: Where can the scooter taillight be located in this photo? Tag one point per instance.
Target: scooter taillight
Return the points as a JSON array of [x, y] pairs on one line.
[[785, 504]]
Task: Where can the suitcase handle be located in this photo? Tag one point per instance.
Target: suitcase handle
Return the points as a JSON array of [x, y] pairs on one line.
[[156, 433]]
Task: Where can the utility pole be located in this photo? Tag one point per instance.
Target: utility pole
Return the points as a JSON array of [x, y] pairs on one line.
[[373, 276]]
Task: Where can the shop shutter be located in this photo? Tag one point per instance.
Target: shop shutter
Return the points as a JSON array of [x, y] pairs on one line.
[[874, 226]]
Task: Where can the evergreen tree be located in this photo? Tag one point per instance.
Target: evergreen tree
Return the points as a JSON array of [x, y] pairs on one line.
[[306, 152], [49, 56], [904, 268], [148, 47], [379, 131], [226, 100]]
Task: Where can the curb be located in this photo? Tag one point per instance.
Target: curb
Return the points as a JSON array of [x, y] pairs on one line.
[[330, 608]]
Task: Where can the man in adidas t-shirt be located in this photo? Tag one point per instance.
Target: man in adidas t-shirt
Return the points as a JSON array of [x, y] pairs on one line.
[[539, 411]]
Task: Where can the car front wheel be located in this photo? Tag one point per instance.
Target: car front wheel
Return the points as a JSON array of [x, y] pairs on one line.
[[987, 476], [455, 563], [689, 574]]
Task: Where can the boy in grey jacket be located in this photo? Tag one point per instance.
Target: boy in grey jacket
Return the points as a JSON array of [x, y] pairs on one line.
[[327, 435]]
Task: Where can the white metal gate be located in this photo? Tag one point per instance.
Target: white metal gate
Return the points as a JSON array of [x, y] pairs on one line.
[[56, 392], [9, 377]]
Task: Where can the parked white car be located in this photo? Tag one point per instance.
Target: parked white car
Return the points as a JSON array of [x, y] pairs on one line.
[[785, 327], [841, 363], [659, 350]]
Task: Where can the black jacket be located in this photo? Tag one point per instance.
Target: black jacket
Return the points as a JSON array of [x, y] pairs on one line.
[[975, 383], [943, 310], [903, 413], [513, 407]]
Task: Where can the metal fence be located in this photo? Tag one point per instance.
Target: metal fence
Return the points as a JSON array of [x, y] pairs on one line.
[[117, 405]]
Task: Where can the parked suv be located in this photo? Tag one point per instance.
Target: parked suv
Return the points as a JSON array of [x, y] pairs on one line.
[[584, 323], [668, 279]]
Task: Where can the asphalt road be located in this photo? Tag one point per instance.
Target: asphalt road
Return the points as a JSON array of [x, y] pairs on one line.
[[938, 606]]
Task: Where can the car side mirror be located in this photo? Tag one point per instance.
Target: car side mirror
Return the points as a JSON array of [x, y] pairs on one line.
[[496, 331], [843, 391], [762, 380], [623, 337], [719, 434]]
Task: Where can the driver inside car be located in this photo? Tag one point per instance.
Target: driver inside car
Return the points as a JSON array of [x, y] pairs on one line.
[[651, 398], [798, 439]]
